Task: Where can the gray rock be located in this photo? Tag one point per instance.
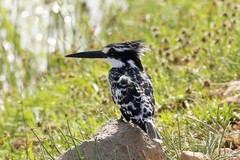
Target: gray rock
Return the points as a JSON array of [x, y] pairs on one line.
[[232, 93], [120, 141], [188, 155]]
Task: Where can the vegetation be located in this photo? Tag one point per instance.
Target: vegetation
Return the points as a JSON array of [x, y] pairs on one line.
[[49, 103]]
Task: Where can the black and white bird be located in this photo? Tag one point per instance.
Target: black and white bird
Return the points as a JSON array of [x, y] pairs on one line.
[[130, 86]]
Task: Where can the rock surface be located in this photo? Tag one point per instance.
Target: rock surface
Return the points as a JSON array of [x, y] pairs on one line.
[[232, 93], [117, 140], [233, 154], [188, 155]]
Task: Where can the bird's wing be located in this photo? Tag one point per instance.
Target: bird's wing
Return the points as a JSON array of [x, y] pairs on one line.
[[148, 90]]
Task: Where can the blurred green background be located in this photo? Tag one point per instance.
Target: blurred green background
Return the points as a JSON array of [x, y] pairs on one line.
[[49, 103]]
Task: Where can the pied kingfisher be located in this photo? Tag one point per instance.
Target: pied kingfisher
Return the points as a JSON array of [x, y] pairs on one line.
[[130, 86]]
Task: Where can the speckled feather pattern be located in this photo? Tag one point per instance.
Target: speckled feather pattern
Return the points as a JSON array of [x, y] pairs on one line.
[[132, 91]]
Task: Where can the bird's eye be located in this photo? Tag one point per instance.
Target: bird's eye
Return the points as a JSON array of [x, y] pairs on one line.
[[111, 51]]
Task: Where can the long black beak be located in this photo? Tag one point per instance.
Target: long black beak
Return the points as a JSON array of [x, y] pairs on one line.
[[88, 54]]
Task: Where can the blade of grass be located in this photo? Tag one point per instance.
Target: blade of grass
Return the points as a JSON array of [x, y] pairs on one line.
[[129, 155], [40, 142], [73, 140], [52, 140]]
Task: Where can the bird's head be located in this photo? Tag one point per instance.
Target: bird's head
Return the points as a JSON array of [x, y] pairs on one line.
[[118, 54]]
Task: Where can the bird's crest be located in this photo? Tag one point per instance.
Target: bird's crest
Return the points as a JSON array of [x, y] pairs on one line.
[[137, 47]]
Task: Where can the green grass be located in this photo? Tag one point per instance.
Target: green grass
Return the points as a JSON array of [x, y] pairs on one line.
[[191, 42]]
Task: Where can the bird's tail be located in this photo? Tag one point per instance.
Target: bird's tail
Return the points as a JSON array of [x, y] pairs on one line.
[[152, 131]]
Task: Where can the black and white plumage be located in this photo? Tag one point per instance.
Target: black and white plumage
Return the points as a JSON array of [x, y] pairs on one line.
[[130, 86]]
